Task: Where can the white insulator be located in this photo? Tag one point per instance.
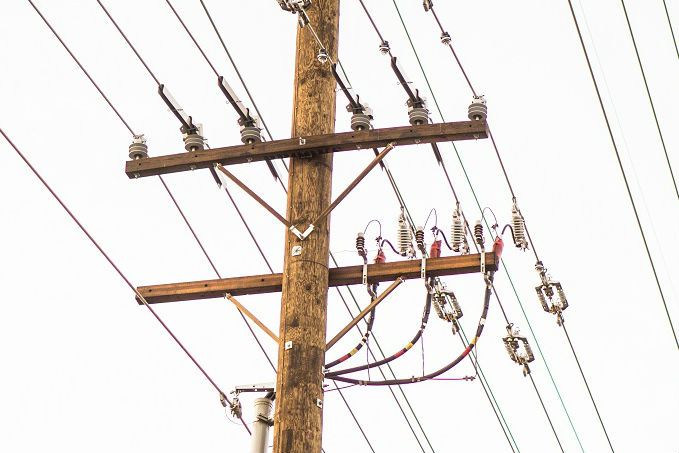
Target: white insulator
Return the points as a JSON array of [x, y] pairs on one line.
[[404, 236], [138, 148], [477, 109], [360, 121], [456, 305], [322, 56], [562, 296], [519, 228], [439, 310], [542, 299], [457, 233]]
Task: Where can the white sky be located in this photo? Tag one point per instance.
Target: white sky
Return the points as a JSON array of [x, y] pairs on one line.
[[86, 368]]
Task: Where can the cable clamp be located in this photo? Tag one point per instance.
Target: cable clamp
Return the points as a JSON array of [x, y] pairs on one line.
[[364, 279], [483, 262], [423, 270]]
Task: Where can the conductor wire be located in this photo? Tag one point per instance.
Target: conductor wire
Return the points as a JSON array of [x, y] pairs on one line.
[[110, 104], [119, 272], [129, 43]]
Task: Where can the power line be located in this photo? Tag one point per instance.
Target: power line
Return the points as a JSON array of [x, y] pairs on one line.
[[669, 23], [181, 213], [650, 99], [119, 272], [82, 68], [546, 413], [563, 325], [622, 171]]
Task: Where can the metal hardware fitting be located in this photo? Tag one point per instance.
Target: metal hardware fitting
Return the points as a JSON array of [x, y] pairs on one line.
[[296, 250], [364, 279], [319, 403], [288, 345]]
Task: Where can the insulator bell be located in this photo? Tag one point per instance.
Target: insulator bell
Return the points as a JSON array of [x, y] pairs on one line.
[[457, 233], [194, 142], [419, 239], [360, 121], [478, 233], [138, 148], [477, 109], [519, 228], [404, 236], [418, 113], [360, 245], [384, 47]]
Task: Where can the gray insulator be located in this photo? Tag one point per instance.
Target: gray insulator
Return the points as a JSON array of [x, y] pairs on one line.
[[360, 122], [250, 134], [138, 149], [477, 109], [194, 142], [418, 115]]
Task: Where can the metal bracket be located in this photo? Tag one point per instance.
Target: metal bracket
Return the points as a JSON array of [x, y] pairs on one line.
[[296, 232], [423, 269], [364, 279], [296, 250], [483, 262]]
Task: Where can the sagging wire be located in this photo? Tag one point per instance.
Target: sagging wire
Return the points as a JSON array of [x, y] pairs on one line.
[[399, 353], [222, 396], [488, 290]]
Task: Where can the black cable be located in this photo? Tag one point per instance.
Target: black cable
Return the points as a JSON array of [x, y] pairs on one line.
[[468, 349], [192, 38], [398, 403], [339, 390], [622, 171], [485, 390], [129, 43], [547, 414], [118, 271], [418, 335], [359, 346], [82, 68], [563, 324], [650, 99], [669, 22]]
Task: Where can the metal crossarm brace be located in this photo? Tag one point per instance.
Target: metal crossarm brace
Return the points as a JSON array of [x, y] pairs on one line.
[[305, 146], [338, 276]]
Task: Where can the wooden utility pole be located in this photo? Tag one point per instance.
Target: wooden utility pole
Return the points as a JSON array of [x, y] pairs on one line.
[[298, 419]]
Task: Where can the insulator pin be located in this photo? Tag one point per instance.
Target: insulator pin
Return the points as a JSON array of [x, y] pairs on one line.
[[478, 233], [419, 239], [138, 148], [360, 245], [417, 115], [193, 139], [477, 109], [360, 121]]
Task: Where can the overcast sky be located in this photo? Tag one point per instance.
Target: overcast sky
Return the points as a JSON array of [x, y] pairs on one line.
[[86, 368]]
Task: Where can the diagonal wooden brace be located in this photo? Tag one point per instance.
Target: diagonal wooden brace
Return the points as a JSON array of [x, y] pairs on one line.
[[363, 313], [252, 317]]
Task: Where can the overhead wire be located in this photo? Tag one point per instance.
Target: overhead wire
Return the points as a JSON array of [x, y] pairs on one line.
[[480, 208], [622, 171], [466, 175], [171, 195], [542, 403], [119, 272], [669, 23], [650, 98]]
